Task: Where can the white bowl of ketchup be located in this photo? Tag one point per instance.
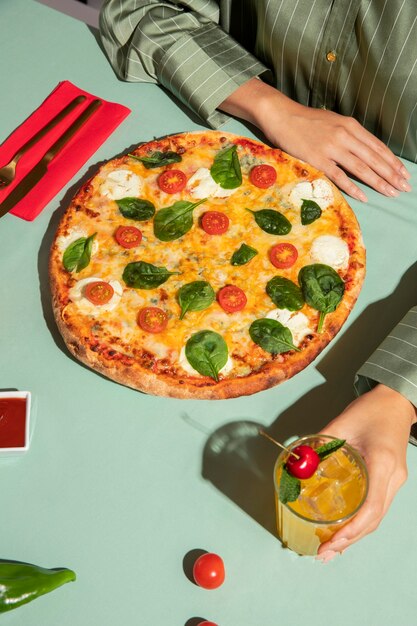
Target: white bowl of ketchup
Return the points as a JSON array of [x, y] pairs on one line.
[[14, 422]]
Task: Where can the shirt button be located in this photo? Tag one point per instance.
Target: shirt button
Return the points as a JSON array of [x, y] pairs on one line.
[[331, 56]]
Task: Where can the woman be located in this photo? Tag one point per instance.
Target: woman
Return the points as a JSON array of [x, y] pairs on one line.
[[333, 83]]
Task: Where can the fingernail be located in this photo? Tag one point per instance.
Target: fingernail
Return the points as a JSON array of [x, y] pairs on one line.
[[392, 192], [405, 186], [361, 196], [404, 172], [327, 556], [339, 545]]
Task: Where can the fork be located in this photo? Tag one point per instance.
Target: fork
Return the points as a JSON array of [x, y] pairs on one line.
[[8, 171]]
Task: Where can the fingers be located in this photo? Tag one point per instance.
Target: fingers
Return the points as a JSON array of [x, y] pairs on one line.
[[383, 485], [341, 180], [369, 160], [336, 144], [347, 148], [378, 175], [377, 146], [377, 424]]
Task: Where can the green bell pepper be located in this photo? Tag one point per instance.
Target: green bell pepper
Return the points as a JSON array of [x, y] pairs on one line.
[[22, 582]]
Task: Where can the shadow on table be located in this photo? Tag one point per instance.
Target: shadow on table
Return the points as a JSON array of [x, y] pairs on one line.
[[239, 462]]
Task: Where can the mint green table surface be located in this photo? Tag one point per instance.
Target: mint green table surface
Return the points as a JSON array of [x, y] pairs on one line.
[[124, 487]]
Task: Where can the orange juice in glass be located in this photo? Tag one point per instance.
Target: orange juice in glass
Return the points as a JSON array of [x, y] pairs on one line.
[[327, 500]]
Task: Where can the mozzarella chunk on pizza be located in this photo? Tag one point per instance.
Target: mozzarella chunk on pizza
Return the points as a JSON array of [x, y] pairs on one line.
[[76, 233], [297, 323], [330, 250], [202, 185], [184, 363], [121, 183], [76, 294], [319, 190], [150, 281]]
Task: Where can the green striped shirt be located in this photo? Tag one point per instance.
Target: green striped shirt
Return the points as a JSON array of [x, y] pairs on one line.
[[356, 57], [394, 363]]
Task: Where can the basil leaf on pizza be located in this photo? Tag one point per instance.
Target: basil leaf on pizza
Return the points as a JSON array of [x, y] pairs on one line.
[[142, 275], [158, 158], [78, 254], [322, 288], [310, 212], [195, 296], [175, 221], [271, 221], [236, 291], [285, 294], [243, 255], [136, 209], [226, 168], [272, 336], [206, 351]]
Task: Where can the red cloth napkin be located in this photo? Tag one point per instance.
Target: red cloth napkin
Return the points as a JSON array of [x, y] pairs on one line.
[[72, 157]]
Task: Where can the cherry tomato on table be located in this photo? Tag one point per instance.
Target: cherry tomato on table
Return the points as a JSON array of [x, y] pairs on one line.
[[208, 571], [152, 319], [98, 292], [232, 298], [214, 222], [283, 255], [172, 181], [263, 176], [206, 624], [128, 236]]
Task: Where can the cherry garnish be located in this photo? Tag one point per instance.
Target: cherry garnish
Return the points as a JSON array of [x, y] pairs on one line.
[[303, 462]]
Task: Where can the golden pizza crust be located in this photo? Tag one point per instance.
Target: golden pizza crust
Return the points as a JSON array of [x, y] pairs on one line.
[[131, 371]]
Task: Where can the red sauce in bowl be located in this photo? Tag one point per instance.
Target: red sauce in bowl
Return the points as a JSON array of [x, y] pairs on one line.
[[12, 422]]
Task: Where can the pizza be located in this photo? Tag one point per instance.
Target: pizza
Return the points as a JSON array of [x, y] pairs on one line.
[[204, 265]]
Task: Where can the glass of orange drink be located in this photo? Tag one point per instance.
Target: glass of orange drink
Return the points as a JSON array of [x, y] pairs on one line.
[[326, 501]]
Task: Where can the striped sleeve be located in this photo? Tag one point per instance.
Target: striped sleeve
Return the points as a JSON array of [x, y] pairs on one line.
[[394, 363], [180, 45]]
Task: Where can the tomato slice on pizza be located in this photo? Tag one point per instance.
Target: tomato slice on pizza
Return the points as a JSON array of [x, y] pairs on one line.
[[204, 265]]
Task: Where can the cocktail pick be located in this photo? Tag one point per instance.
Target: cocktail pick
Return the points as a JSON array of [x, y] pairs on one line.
[[303, 460], [277, 443]]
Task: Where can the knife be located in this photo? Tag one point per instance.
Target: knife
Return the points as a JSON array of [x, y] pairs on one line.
[[49, 126], [39, 170]]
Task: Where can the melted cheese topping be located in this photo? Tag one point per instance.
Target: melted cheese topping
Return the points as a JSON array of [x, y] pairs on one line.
[[319, 190], [297, 323], [121, 184], [330, 250], [199, 256], [89, 308], [76, 233], [202, 185], [188, 368]]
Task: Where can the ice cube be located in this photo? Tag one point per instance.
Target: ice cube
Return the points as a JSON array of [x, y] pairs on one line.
[[323, 501], [334, 468]]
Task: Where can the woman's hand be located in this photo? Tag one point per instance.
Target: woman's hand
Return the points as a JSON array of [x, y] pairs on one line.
[[378, 425], [333, 143]]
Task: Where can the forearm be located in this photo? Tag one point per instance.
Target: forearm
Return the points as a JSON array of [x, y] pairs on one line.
[[333, 143], [397, 405], [255, 102]]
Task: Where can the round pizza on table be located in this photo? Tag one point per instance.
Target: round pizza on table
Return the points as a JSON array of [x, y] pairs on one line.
[[204, 265]]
